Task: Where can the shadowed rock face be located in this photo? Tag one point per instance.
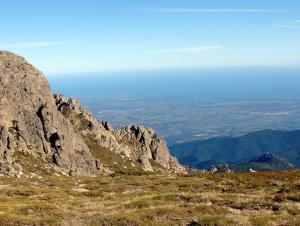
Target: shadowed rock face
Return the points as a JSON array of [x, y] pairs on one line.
[[31, 123], [54, 129]]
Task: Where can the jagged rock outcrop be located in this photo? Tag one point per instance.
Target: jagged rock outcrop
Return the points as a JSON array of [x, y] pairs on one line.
[[138, 144], [61, 135], [30, 122], [148, 146]]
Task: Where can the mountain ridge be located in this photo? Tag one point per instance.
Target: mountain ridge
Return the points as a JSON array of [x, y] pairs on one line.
[[204, 153], [42, 132], [262, 163]]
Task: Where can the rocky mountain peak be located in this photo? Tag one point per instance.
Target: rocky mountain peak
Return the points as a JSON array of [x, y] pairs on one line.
[[266, 157], [40, 131], [31, 125]]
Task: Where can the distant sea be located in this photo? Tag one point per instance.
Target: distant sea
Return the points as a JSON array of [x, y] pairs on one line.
[[200, 84]]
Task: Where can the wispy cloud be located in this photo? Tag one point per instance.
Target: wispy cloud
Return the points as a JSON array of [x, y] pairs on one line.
[[227, 10], [23, 45], [189, 50], [294, 24]]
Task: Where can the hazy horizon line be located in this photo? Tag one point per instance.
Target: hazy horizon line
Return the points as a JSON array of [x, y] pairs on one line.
[[174, 69]]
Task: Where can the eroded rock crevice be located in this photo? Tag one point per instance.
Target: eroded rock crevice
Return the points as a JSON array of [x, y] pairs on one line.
[[55, 141], [39, 114]]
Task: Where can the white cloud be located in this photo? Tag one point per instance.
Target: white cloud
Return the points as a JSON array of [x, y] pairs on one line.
[[201, 10], [189, 50], [23, 45], [294, 24]]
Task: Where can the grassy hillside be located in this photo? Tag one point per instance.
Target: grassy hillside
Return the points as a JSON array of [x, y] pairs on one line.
[[202, 154], [204, 199]]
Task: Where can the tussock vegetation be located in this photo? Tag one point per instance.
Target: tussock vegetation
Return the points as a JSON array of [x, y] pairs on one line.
[[202, 199]]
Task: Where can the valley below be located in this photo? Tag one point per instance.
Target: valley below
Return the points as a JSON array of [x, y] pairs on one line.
[[189, 105], [181, 120]]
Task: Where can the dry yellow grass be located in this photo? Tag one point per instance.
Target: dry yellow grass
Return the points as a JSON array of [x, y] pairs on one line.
[[203, 199]]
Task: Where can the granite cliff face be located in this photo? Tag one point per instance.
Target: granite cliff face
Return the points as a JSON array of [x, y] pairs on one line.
[[147, 145], [30, 123], [140, 146], [39, 131]]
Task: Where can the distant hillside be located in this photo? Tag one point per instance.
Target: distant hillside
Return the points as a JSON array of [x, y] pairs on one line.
[[204, 153], [265, 162]]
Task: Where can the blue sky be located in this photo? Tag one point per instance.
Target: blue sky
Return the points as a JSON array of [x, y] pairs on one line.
[[64, 36]]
